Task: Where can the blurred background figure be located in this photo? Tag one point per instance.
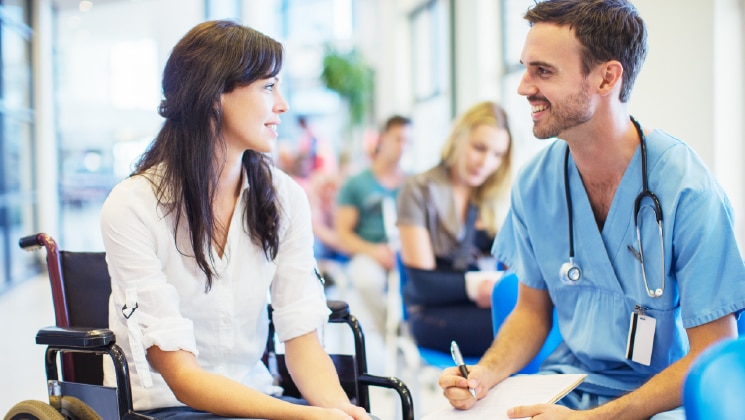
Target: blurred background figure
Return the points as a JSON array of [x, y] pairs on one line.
[[448, 217], [308, 155], [308, 144], [360, 223], [324, 187], [313, 164]]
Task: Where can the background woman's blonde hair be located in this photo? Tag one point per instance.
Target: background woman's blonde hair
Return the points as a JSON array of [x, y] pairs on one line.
[[492, 197]]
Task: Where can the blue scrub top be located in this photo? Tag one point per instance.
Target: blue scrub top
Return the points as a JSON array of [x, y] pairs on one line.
[[704, 269]]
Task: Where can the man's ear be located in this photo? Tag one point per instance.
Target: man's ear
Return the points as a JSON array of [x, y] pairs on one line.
[[610, 73]]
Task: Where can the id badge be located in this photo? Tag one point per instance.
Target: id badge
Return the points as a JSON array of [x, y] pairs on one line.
[[641, 337]]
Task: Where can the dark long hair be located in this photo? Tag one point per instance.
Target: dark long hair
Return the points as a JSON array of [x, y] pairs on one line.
[[213, 58], [607, 30]]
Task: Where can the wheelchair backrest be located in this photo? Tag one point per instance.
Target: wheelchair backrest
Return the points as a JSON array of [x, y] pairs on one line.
[[87, 286]]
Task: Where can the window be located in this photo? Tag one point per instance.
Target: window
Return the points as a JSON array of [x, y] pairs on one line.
[[16, 142]]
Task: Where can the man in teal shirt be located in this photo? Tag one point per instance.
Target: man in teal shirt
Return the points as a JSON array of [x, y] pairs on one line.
[[362, 202]]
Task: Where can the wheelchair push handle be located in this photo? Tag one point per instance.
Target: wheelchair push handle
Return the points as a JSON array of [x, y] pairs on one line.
[[29, 243], [34, 242]]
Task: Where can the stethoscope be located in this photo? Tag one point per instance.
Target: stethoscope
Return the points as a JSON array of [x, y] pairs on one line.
[[570, 272]]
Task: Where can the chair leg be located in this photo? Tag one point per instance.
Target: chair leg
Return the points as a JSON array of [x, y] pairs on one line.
[[394, 319], [399, 343]]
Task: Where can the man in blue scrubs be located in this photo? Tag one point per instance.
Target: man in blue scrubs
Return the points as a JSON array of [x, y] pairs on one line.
[[634, 311]]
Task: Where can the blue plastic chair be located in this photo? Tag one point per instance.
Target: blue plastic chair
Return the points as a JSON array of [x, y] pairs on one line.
[[741, 325], [504, 298], [714, 385], [440, 359]]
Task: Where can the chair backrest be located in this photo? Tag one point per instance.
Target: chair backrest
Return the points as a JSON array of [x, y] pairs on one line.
[[87, 288], [504, 299], [86, 285], [715, 383]]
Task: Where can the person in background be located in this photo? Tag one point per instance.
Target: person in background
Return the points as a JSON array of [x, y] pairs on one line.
[[316, 170], [322, 193], [447, 219], [314, 153], [637, 299], [203, 232], [360, 223]]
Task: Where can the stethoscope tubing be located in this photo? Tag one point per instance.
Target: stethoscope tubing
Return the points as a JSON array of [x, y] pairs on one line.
[[645, 193]]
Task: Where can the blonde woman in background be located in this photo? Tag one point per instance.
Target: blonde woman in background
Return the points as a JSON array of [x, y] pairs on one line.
[[448, 217]]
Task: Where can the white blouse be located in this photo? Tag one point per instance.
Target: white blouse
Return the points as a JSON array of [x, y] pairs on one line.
[[226, 328]]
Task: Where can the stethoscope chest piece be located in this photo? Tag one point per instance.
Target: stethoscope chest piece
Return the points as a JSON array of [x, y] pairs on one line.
[[570, 272]]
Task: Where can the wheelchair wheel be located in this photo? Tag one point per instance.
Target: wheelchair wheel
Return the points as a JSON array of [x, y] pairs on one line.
[[73, 408], [33, 410]]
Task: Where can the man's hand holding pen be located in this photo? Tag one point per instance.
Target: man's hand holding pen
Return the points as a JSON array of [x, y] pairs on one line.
[[460, 390], [457, 388], [462, 368]]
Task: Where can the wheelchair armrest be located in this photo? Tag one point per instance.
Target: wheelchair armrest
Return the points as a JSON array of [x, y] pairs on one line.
[[83, 338], [407, 403], [339, 309]]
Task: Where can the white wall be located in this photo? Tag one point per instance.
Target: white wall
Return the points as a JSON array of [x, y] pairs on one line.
[[729, 106], [478, 53], [691, 85], [674, 90]]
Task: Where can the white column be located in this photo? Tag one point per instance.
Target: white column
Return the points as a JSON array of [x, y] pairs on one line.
[[477, 53], [45, 154]]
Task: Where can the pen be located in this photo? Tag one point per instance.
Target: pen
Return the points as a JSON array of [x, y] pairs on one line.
[[458, 359]]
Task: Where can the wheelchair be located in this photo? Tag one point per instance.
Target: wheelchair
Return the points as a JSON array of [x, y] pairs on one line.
[[81, 285]]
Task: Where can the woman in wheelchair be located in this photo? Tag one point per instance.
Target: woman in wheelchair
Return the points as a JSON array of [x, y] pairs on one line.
[[205, 233]]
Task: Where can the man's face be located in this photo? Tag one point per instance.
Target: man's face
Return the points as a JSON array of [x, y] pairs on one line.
[[393, 142], [553, 82]]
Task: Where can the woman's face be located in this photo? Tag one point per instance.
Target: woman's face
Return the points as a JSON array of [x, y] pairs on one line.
[[481, 154], [251, 116]]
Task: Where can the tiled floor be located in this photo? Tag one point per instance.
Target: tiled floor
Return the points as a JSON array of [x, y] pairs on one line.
[[27, 307]]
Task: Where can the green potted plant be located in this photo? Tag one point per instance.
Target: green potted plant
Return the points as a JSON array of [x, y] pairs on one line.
[[347, 74]]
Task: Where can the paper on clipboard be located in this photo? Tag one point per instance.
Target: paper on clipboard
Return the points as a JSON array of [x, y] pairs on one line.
[[513, 391]]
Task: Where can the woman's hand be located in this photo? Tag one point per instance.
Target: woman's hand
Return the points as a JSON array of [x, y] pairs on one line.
[[480, 285], [384, 255], [484, 292], [357, 413]]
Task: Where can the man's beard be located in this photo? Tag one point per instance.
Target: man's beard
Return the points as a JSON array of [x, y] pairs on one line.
[[575, 110]]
